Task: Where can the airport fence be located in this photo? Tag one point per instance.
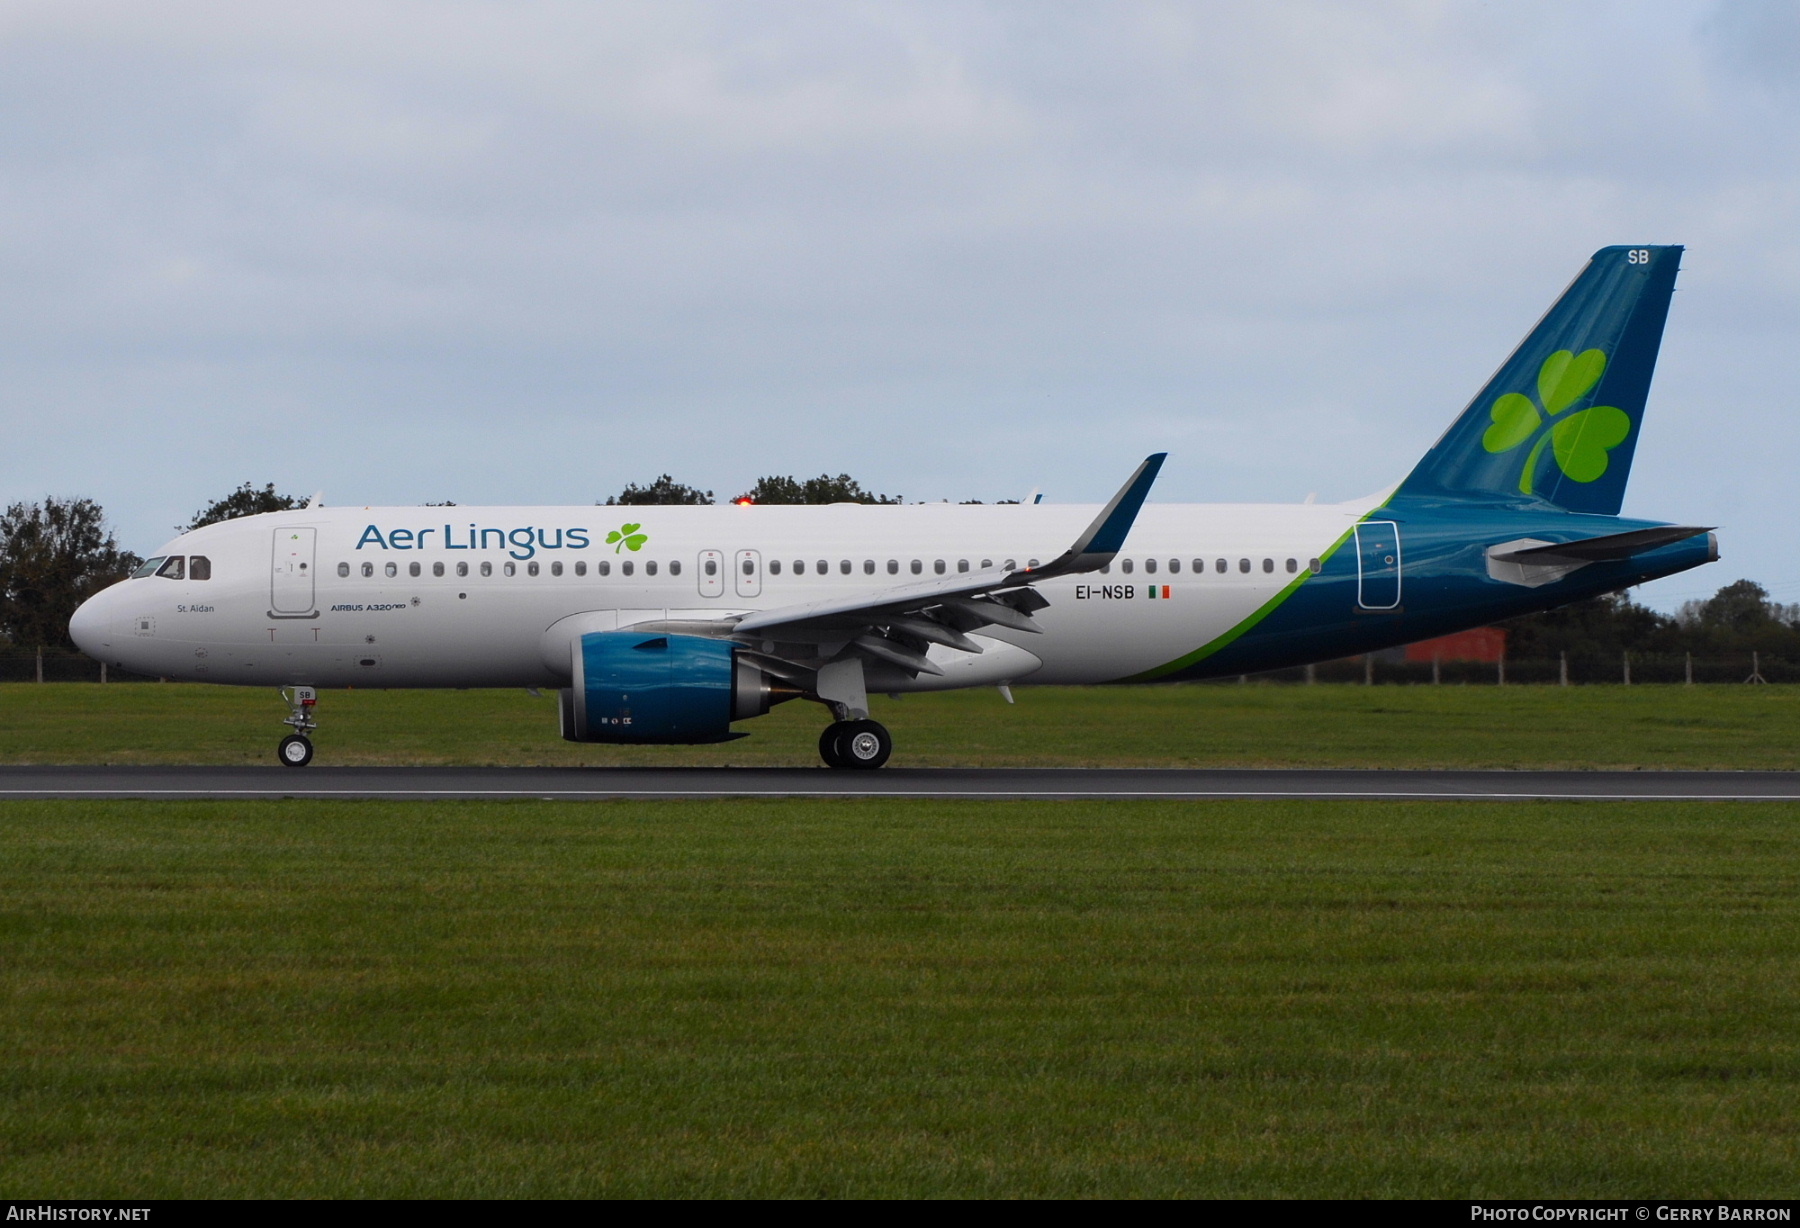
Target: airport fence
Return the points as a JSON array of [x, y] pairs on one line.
[[68, 665]]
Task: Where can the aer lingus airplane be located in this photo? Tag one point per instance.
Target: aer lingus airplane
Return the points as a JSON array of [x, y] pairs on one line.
[[669, 624]]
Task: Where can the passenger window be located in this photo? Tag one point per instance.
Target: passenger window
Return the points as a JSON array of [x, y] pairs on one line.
[[1244, 565], [650, 568], [799, 567], [962, 565], [1106, 569], [844, 567], [1011, 565], [581, 567], [868, 567], [437, 569], [674, 567], [1268, 565], [712, 567], [1032, 563], [556, 569], [938, 566], [893, 567], [1125, 566], [343, 571], [368, 569], [917, 567], [531, 568], [391, 570], [148, 567], [1314, 566], [173, 568], [822, 567], [627, 567], [1150, 566], [774, 567], [1174, 566], [1199, 567], [1293, 565], [487, 569], [412, 569], [986, 563], [510, 569], [462, 569], [1221, 567], [603, 567], [199, 567]]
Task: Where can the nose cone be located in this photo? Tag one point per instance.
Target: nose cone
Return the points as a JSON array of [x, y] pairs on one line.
[[87, 626]]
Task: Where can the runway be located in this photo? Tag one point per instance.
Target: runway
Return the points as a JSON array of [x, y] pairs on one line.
[[999, 784]]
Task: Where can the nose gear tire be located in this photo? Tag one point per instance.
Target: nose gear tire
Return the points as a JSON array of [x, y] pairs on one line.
[[294, 751]]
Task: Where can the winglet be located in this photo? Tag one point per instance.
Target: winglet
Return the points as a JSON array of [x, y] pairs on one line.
[[1103, 539]]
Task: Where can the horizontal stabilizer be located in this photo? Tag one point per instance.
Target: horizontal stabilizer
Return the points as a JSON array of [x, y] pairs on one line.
[[1610, 548]]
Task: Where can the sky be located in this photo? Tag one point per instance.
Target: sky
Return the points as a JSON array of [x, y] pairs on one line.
[[530, 252]]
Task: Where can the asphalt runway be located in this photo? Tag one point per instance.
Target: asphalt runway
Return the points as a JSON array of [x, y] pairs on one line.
[[429, 783]]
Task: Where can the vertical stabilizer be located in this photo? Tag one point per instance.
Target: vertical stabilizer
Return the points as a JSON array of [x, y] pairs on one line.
[[1559, 421]]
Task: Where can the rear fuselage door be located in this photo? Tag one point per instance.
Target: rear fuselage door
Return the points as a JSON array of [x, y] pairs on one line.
[[1378, 565], [747, 567], [291, 587], [712, 573]]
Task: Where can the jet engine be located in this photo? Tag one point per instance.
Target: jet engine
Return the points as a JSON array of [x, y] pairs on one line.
[[631, 686]]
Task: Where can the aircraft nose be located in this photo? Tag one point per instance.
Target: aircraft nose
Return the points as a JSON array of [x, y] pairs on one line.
[[87, 626]]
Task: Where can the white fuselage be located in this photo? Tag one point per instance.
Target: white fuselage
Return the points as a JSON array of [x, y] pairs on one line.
[[469, 597]]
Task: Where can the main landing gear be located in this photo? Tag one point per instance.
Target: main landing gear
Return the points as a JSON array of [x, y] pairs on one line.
[[855, 744], [296, 750]]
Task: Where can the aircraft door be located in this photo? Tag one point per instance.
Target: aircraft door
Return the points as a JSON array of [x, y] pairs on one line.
[[747, 567], [291, 588], [712, 573], [1378, 565]]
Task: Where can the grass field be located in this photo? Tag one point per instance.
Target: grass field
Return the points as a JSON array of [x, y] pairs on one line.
[[820, 998], [1209, 725]]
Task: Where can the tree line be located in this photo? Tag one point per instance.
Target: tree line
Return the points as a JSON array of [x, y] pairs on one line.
[[56, 554]]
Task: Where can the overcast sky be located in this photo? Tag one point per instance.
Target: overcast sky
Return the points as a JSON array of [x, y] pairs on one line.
[[526, 253]]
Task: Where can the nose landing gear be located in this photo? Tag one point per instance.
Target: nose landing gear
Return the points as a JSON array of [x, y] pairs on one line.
[[296, 750]]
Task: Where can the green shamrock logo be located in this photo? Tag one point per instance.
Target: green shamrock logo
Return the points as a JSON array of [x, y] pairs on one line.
[[1580, 441], [627, 537]]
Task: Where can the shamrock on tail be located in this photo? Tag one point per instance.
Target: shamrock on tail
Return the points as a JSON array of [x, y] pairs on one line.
[[1580, 441], [627, 537]]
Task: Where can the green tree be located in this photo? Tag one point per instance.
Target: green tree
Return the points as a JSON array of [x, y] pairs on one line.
[[1741, 618], [1601, 626], [246, 500], [664, 491], [822, 489], [53, 557]]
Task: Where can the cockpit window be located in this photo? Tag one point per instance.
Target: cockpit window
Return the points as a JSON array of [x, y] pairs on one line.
[[199, 567], [148, 567], [174, 568]]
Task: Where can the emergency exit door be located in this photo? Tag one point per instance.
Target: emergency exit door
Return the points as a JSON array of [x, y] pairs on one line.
[[712, 573], [1378, 565], [291, 587]]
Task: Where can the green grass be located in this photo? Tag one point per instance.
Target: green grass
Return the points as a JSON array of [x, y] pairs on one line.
[[877, 998], [1212, 725]]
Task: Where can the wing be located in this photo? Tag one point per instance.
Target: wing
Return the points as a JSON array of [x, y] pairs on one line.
[[898, 625]]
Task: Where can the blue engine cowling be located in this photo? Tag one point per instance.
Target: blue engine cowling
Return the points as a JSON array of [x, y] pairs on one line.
[[643, 687]]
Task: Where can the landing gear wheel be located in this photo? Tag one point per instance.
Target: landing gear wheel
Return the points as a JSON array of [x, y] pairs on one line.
[[294, 751], [864, 744], [828, 745]]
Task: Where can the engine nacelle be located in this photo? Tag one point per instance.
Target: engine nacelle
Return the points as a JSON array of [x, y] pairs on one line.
[[629, 686]]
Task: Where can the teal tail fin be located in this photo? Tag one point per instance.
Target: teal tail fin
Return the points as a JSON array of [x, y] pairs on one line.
[[1559, 421]]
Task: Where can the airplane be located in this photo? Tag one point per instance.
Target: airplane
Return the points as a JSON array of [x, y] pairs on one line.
[[673, 624]]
